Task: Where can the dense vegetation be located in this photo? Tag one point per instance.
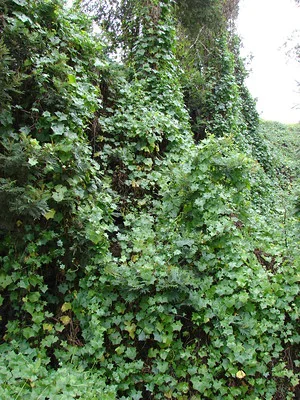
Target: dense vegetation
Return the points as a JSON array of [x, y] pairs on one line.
[[149, 223]]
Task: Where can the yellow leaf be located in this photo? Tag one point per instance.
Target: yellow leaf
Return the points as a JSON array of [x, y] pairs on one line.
[[240, 374], [65, 307], [47, 327], [134, 184], [65, 319], [130, 328], [50, 214], [134, 257], [120, 350]]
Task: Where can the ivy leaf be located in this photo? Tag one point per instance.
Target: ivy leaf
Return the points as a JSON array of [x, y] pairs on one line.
[[66, 306], [20, 2], [71, 79], [131, 353], [32, 161], [177, 326], [59, 193], [50, 214], [240, 374], [58, 129], [199, 384], [28, 332], [120, 350], [22, 17], [94, 235], [5, 280], [162, 366], [130, 328], [65, 319]]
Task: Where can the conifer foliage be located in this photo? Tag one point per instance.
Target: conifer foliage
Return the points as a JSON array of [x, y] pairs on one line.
[[138, 261]]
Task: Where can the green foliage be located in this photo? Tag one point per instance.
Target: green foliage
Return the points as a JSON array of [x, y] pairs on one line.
[[24, 373], [148, 119], [8, 81], [283, 143], [208, 15], [248, 110], [50, 188], [136, 263], [222, 102], [188, 308]]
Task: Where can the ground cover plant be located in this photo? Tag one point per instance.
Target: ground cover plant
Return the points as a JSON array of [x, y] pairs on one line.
[[149, 222]]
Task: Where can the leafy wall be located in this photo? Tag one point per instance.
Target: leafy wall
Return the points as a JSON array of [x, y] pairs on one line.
[[138, 261]]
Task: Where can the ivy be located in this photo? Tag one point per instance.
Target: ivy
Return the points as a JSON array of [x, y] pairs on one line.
[[51, 188], [138, 261]]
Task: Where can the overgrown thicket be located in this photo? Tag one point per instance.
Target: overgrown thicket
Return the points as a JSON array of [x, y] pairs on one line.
[[149, 230]]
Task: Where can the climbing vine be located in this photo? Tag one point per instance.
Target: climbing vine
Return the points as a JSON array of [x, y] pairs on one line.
[[140, 257]]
